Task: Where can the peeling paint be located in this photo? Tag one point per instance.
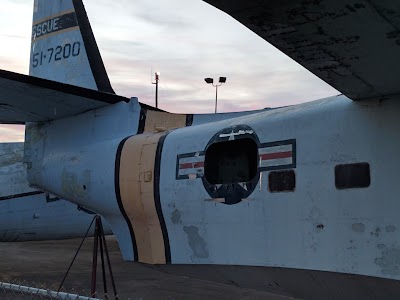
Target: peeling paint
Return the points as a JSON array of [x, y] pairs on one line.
[[358, 227], [390, 228], [192, 176], [389, 261], [75, 188], [381, 246], [196, 242], [377, 231], [176, 217], [232, 134]]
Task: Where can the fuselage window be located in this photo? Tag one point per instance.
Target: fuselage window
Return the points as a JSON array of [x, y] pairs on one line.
[[282, 181], [231, 161], [352, 176]]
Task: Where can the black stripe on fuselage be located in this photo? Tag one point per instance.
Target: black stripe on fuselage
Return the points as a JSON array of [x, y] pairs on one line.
[[157, 169], [189, 120], [21, 195], [118, 196]]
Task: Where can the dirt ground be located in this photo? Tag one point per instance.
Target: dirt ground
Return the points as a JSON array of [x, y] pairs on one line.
[[43, 264]]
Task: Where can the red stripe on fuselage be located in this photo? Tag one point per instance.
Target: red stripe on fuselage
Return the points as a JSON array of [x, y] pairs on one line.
[[199, 164], [276, 155]]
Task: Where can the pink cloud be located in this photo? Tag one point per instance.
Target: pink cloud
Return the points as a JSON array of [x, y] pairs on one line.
[[12, 133]]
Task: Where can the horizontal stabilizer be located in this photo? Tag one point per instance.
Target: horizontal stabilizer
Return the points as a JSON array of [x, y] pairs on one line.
[[13, 181], [352, 45], [30, 99]]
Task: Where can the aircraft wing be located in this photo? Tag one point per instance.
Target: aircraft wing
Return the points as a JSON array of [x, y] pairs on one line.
[[30, 99], [352, 45]]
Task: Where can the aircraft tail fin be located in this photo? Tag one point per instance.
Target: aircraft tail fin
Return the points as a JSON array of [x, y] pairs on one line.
[[63, 46]]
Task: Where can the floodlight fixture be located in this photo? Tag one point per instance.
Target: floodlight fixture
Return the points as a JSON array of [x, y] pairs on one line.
[[211, 81]]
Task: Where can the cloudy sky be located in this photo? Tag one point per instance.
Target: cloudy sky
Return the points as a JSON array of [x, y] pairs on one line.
[[184, 40]]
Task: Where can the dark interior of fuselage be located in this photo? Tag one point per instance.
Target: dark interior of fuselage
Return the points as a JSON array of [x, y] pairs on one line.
[[231, 161]]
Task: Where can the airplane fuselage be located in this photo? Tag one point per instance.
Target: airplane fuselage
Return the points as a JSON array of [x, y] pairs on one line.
[[34, 218], [311, 186]]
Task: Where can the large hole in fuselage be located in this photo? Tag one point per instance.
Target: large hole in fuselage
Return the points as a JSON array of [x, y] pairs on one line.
[[231, 161]]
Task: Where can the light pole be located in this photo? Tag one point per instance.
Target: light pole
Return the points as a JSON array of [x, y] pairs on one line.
[[157, 77], [221, 81]]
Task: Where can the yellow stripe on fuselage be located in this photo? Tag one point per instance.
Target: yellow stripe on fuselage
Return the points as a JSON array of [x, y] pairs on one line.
[[137, 195], [163, 120], [136, 184]]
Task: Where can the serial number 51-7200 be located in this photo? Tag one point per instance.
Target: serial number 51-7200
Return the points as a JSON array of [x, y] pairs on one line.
[[55, 54]]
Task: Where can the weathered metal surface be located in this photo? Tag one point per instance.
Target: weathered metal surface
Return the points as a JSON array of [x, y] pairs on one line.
[[162, 121], [80, 164], [63, 47], [25, 213], [284, 229], [199, 119], [314, 227], [352, 45], [29, 99]]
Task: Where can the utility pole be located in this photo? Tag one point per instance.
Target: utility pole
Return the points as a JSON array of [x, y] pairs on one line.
[[157, 79]]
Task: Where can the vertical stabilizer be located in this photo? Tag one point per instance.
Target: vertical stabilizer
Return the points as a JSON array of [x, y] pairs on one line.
[[63, 46]]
